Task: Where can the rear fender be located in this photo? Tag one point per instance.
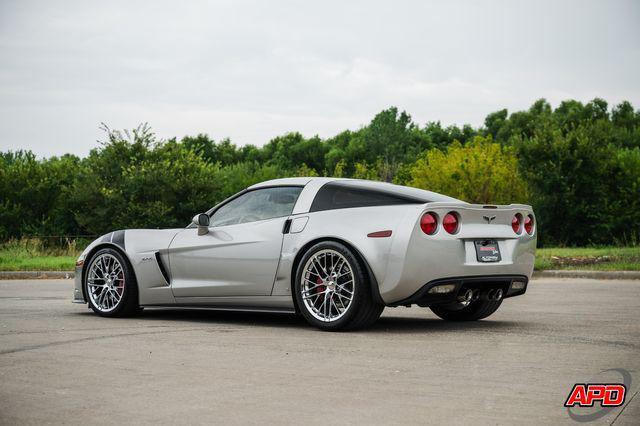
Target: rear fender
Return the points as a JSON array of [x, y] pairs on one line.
[[350, 227]]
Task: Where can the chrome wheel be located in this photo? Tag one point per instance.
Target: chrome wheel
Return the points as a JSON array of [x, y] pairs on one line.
[[105, 282], [328, 285]]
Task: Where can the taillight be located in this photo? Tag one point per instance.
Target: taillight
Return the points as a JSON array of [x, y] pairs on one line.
[[516, 223], [528, 224], [450, 222], [429, 223]]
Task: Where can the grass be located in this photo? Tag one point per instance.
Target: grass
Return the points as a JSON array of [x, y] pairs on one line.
[[589, 258], [29, 254], [35, 255]]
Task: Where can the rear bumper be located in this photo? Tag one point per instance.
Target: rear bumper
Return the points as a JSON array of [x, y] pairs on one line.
[[422, 259], [422, 297]]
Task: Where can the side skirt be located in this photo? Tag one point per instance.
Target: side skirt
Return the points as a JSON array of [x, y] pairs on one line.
[[221, 308], [242, 303]]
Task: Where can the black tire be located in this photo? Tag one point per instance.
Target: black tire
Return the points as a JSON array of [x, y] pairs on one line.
[[128, 304], [363, 310], [474, 311]]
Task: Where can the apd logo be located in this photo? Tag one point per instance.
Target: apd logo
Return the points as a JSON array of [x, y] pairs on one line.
[[603, 396], [585, 395]]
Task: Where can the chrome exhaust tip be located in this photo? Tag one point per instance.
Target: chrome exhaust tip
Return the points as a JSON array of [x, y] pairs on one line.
[[498, 294], [466, 296]]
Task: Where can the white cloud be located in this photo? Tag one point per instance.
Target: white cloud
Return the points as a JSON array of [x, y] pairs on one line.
[[251, 70]]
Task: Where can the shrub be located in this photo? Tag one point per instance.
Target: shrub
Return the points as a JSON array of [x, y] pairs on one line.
[[480, 172]]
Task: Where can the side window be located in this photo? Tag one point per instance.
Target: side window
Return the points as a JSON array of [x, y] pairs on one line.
[[256, 205], [339, 196]]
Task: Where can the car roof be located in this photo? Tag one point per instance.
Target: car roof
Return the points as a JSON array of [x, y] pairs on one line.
[[294, 181], [420, 194]]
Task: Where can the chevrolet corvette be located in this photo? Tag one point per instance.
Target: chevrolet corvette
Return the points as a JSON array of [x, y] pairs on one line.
[[336, 251]]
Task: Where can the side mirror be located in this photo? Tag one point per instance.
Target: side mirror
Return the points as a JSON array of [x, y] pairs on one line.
[[202, 221]]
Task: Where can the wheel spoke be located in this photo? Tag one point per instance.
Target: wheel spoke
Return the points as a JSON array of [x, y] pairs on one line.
[[312, 283], [343, 297], [317, 265], [311, 295], [98, 267], [327, 306], [310, 273], [340, 300], [335, 306], [117, 270], [333, 264], [344, 289], [337, 265], [322, 304], [343, 274]]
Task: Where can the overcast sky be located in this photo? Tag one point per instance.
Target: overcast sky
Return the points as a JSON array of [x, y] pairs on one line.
[[253, 70]]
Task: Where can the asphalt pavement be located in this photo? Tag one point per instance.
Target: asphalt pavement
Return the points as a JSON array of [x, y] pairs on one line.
[[60, 363]]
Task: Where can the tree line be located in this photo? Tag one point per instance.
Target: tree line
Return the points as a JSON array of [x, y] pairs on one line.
[[577, 164]]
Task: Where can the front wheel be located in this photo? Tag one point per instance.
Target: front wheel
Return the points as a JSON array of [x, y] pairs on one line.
[[110, 285], [332, 289]]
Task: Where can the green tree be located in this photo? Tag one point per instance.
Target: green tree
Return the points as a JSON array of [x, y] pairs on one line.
[[581, 163], [33, 194], [569, 114], [136, 181], [288, 152], [237, 177], [479, 172], [305, 171], [581, 185], [495, 121], [624, 116], [223, 153]]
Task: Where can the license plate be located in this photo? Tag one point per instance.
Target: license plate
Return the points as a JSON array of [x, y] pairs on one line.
[[487, 251]]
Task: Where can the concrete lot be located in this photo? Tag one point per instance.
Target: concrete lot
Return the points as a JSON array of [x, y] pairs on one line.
[[59, 363]]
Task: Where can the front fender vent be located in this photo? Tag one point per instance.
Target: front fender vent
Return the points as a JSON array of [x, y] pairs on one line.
[[163, 270]]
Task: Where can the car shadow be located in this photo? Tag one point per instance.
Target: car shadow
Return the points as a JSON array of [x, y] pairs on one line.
[[224, 317], [385, 324], [421, 324]]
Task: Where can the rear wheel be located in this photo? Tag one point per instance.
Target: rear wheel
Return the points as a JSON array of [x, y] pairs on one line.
[[332, 289], [110, 285], [473, 311]]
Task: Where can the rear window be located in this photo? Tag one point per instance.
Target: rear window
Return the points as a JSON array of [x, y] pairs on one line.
[[340, 196]]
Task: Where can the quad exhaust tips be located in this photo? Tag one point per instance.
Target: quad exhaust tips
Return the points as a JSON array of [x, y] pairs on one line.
[[469, 295]]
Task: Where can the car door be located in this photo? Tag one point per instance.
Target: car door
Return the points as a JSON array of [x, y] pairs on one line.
[[239, 255]]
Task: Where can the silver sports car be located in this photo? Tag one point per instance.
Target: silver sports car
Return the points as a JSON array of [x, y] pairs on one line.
[[336, 251]]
